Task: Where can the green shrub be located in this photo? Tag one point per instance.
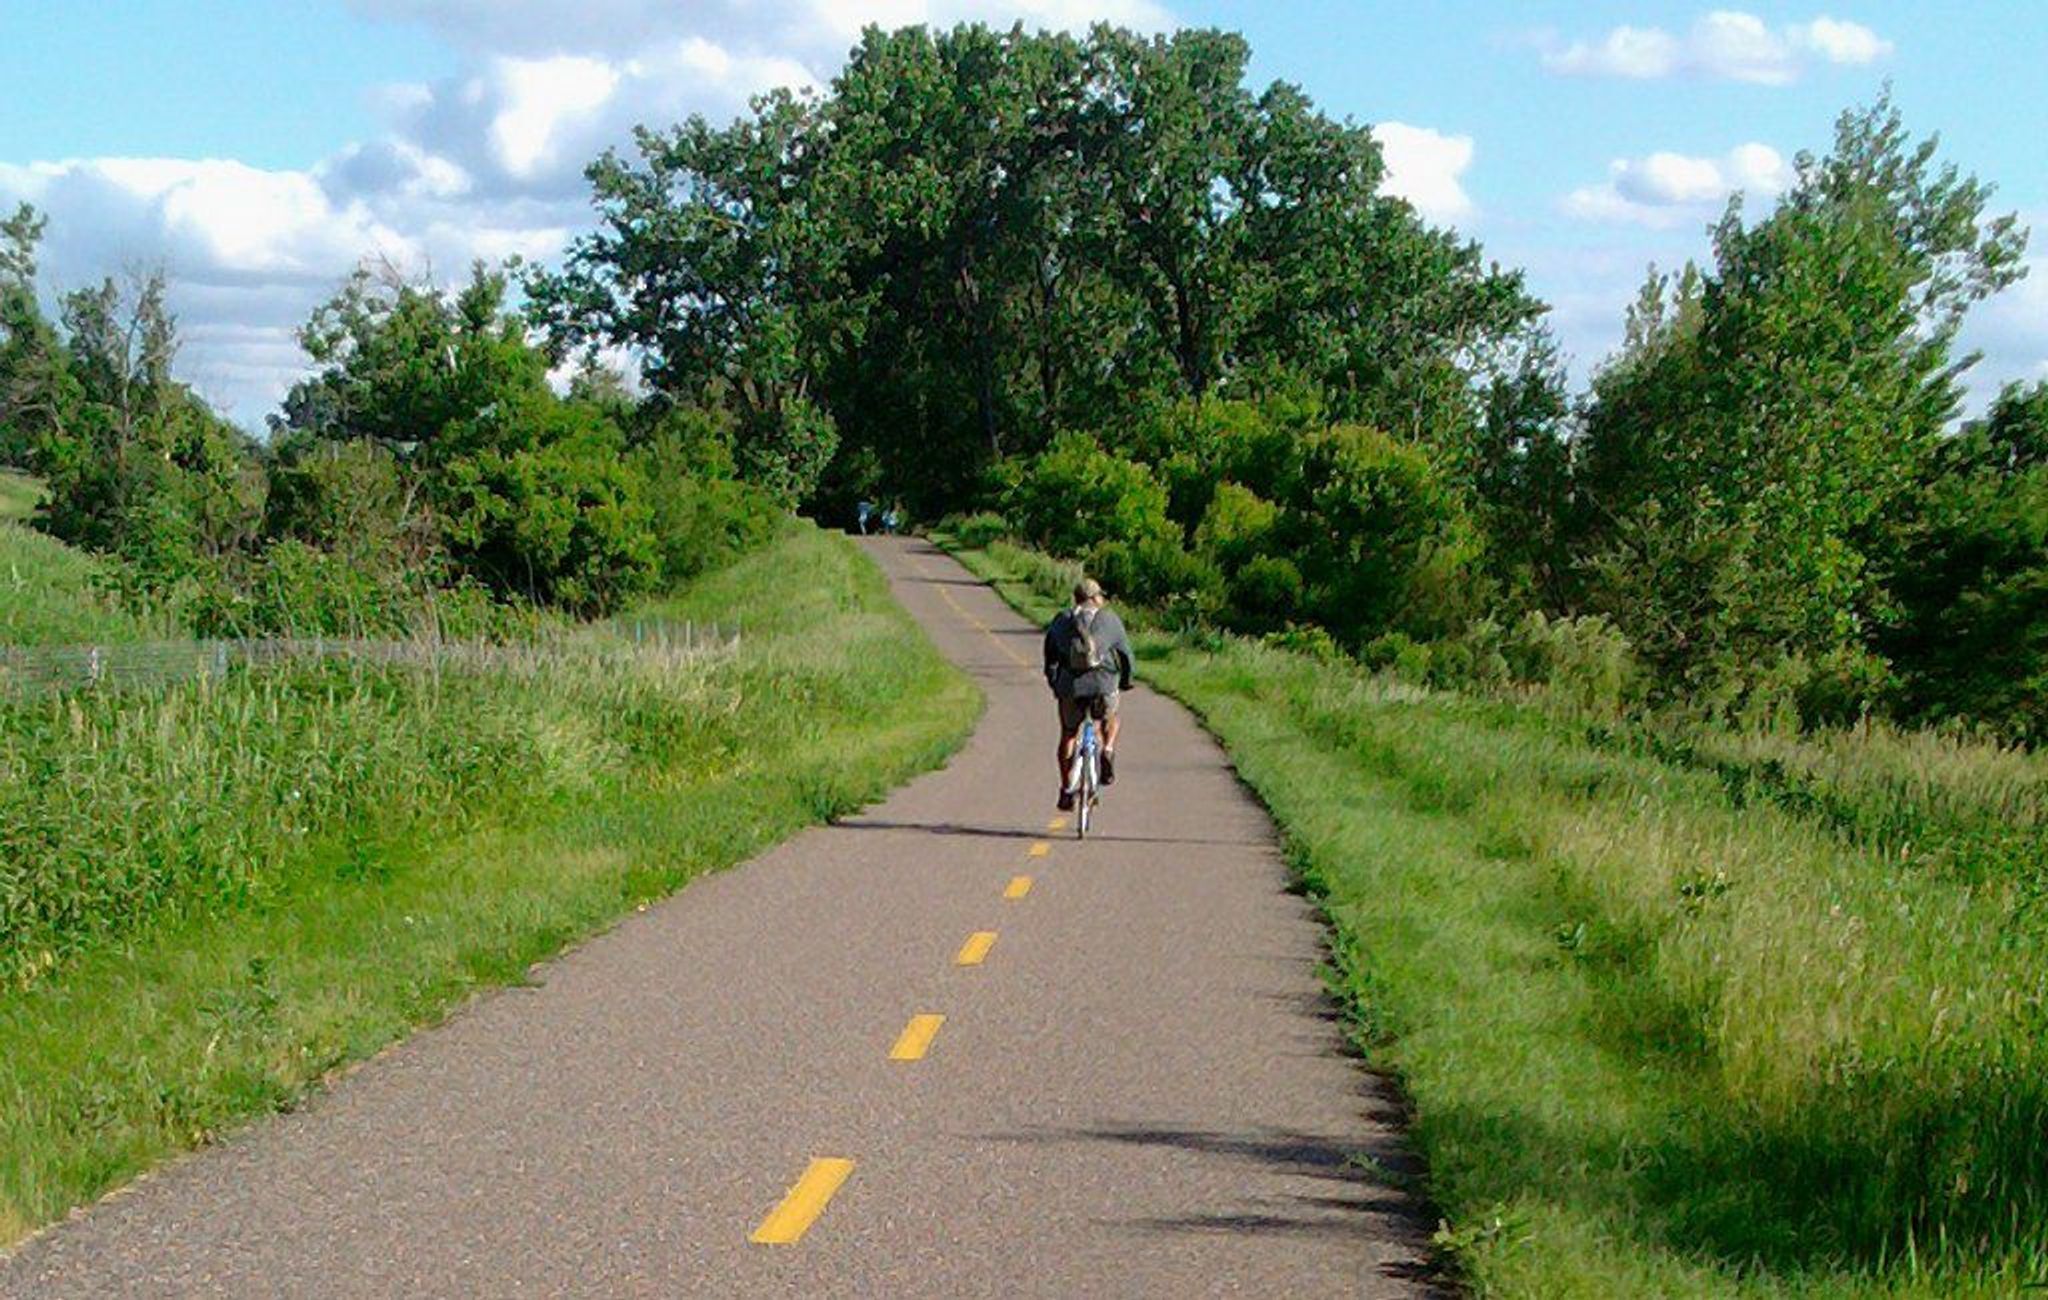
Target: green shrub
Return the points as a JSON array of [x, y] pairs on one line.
[[1485, 664], [1200, 444], [1074, 496], [291, 588], [1379, 531], [1306, 639], [1236, 527], [1159, 572], [978, 531], [550, 508], [1845, 686], [352, 497], [1585, 661], [1399, 654], [1265, 592]]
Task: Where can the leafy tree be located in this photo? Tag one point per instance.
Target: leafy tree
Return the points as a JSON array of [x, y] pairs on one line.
[[401, 362], [1381, 539], [977, 238], [1746, 454], [1074, 494], [530, 495], [703, 263], [543, 503], [135, 463], [36, 395], [1972, 640]]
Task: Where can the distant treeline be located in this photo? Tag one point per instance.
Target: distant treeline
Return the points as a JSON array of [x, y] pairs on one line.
[[427, 479], [1101, 291]]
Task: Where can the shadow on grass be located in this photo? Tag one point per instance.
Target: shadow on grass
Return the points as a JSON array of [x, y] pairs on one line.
[[1840, 1187]]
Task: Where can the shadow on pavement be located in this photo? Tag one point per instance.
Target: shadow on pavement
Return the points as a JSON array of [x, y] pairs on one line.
[[1013, 833], [1374, 1179]]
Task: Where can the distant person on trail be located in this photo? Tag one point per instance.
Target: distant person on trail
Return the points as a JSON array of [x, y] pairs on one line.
[[1088, 663], [891, 518], [866, 511]]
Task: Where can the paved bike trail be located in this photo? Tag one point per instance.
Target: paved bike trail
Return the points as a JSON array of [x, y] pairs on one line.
[[1140, 1090]]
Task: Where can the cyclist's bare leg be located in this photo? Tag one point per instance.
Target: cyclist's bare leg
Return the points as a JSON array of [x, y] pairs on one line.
[[1070, 741]]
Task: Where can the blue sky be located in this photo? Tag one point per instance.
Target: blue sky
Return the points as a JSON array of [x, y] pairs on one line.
[[257, 150]]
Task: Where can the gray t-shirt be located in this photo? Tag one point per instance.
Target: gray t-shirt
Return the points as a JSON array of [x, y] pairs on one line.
[[1111, 645]]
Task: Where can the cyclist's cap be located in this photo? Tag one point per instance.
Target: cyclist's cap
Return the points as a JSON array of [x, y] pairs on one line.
[[1086, 589]]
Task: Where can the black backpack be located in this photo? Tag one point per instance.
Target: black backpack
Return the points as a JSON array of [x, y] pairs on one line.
[[1082, 655]]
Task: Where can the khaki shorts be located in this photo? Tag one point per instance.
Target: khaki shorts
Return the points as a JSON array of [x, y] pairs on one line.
[[1074, 708]]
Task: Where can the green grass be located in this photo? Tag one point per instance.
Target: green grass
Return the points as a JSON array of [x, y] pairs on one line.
[[363, 849], [18, 495], [50, 593], [1679, 1014]]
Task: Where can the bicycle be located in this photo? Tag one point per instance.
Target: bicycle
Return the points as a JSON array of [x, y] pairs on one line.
[[1084, 777]]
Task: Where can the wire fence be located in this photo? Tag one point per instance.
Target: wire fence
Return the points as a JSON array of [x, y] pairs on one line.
[[150, 665]]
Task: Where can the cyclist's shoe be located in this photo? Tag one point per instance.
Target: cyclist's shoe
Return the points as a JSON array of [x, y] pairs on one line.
[[1109, 767], [1066, 803]]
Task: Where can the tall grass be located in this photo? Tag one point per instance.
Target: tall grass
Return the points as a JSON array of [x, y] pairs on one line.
[[242, 887], [116, 808], [1680, 1013]]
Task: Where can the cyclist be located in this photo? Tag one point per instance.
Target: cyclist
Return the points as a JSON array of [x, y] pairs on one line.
[[1088, 662]]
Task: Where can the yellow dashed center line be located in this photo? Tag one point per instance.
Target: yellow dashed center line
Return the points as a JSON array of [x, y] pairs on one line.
[[1056, 824], [1018, 887], [916, 1038], [1001, 644], [975, 950], [806, 1201], [1040, 849]]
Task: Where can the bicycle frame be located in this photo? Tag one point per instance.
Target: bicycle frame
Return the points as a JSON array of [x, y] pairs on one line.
[[1084, 777]]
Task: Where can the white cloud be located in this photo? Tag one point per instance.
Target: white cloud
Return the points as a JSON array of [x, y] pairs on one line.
[[1424, 167], [209, 221], [1636, 52], [1666, 189], [2011, 330], [814, 32], [484, 163], [1841, 42], [1725, 44], [540, 96]]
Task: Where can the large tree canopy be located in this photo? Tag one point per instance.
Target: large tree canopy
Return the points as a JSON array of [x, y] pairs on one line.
[[974, 239]]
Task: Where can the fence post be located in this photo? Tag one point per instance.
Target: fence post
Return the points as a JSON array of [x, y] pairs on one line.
[[92, 666]]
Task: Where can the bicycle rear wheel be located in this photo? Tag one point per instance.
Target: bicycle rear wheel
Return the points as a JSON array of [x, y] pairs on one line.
[[1087, 789], [1084, 800]]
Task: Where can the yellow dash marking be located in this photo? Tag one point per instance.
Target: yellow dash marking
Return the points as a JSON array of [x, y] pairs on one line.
[[916, 1038], [1056, 824], [980, 626], [806, 1201], [976, 948], [1040, 849], [1018, 887]]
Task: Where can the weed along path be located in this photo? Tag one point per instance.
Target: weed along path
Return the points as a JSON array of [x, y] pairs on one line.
[[940, 1048]]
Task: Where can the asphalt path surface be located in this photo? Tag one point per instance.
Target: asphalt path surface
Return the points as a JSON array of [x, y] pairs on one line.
[[1138, 1089]]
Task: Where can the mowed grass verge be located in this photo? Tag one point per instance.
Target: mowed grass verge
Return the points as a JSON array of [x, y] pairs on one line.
[[51, 594], [321, 908], [1712, 1017], [18, 495]]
